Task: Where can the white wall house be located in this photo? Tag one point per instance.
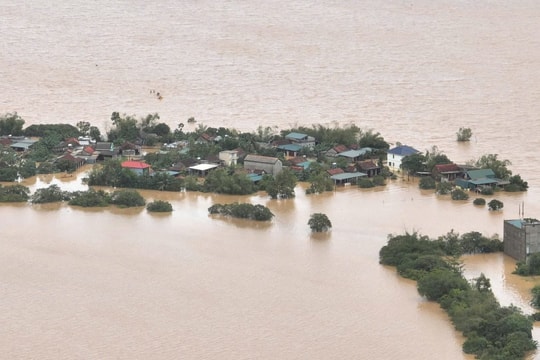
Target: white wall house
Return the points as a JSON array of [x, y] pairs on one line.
[[396, 155], [229, 157]]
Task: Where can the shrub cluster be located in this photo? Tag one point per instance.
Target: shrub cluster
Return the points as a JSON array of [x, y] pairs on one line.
[[159, 206], [243, 211], [491, 331]]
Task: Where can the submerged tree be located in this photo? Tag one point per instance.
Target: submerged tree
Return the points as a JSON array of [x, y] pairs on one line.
[[464, 134], [319, 222]]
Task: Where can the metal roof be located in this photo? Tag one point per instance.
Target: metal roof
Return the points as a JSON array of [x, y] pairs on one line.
[[403, 150], [296, 136], [203, 167], [355, 153], [346, 176], [290, 147], [261, 159]]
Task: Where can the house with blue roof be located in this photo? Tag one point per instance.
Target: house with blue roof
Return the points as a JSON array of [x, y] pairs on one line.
[[355, 155], [396, 155]]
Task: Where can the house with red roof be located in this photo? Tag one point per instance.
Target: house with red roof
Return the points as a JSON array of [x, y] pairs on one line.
[[447, 172], [138, 167]]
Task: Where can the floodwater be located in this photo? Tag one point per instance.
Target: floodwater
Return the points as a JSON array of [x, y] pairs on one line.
[[125, 284]]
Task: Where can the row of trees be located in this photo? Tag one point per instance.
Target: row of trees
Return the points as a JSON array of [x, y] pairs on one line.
[[491, 331], [242, 211], [90, 198]]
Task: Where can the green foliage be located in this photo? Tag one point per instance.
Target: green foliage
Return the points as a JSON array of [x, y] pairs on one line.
[[379, 180], [14, 193], [530, 267], [365, 183], [346, 135], [458, 194], [487, 191], [60, 131], [64, 165], [11, 124], [159, 206], [243, 211], [319, 222], [495, 205], [444, 188], [125, 128], [414, 163], [94, 133], [479, 201], [8, 174], [53, 193], [435, 157], [439, 282], [426, 183], [84, 127], [280, 186], [491, 331], [27, 168], [535, 301], [127, 198], [499, 167], [320, 183], [372, 139], [516, 184], [221, 181], [464, 134], [90, 198]]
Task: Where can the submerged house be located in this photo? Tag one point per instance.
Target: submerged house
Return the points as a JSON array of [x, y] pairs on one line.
[[267, 164], [396, 155], [478, 179], [301, 139], [447, 172], [521, 238], [138, 167]]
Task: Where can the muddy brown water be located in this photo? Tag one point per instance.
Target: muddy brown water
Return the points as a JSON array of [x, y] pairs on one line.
[[126, 284]]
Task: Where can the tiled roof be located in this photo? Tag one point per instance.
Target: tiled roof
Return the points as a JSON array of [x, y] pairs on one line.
[[135, 165]]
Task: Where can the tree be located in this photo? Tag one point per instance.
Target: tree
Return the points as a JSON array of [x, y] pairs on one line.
[[372, 139], [127, 198], [427, 182], [499, 167], [11, 124], [159, 206], [464, 134], [435, 284], [414, 163], [282, 185], [53, 193], [458, 194], [495, 205], [320, 183], [435, 157], [319, 222], [94, 133], [84, 127]]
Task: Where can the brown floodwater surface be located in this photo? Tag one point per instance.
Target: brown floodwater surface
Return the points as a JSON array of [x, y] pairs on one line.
[[125, 284]]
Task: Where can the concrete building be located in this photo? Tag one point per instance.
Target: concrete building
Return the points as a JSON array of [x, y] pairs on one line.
[[266, 164], [396, 155], [521, 238]]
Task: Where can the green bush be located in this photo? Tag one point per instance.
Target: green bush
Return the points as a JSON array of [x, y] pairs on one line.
[[378, 180], [487, 191], [319, 222], [458, 194], [365, 183], [495, 205], [242, 211], [53, 193], [479, 201], [444, 188], [14, 193], [427, 182], [127, 198], [159, 206], [90, 198]]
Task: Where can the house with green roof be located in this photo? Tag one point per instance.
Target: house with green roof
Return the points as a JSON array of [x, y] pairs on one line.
[[479, 178]]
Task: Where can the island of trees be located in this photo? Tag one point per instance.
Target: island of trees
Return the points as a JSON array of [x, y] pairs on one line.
[[492, 331]]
